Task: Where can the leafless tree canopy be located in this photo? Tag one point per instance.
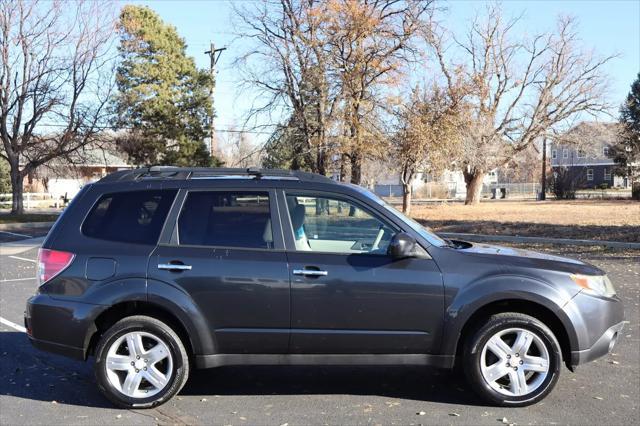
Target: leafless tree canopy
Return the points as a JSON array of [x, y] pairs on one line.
[[325, 65], [54, 80], [517, 88]]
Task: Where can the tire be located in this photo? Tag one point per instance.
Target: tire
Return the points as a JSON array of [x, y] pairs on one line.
[[484, 373], [115, 365]]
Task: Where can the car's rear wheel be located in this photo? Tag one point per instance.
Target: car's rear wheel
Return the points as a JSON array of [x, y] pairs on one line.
[[513, 360], [140, 362]]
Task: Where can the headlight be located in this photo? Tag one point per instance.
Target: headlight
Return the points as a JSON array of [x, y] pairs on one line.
[[598, 284]]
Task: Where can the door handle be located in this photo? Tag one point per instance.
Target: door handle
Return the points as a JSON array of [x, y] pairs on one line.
[[310, 272], [174, 267]]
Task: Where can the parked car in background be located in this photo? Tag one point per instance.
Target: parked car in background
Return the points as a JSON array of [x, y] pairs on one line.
[[156, 271]]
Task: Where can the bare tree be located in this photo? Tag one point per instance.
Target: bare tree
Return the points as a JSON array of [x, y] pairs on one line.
[[370, 43], [287, 65], [427, 137], [238, 150], [517, 89], [324, 66], [55, 81]]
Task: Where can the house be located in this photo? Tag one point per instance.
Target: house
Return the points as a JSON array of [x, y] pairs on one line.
[[448, 184], [64, 177], [586, 152]]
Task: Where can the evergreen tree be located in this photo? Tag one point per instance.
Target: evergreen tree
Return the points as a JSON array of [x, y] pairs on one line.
[[163, 99], [5, 179], [627, 151]]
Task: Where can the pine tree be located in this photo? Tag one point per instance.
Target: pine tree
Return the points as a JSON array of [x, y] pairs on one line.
[[163, 99], [627, 151]]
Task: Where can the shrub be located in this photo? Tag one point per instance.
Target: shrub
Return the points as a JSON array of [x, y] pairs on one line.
[[564, 183]]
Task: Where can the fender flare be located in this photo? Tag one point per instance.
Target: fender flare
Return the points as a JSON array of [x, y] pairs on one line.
[[169, 298], [501, 288]]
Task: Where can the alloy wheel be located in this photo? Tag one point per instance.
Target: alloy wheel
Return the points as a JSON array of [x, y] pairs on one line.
[[515, 362], [139, 364]]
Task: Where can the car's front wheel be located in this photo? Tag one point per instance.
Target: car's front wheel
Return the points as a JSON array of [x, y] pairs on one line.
[[140, 362], [513, 360]]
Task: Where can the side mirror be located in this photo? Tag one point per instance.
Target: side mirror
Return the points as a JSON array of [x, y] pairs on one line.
[[402, 246]]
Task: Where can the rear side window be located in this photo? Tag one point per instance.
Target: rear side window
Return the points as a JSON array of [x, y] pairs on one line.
[[226, 219], [129, 217]]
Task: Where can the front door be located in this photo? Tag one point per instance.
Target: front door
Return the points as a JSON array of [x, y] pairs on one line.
[[347, 295], [224, 255]]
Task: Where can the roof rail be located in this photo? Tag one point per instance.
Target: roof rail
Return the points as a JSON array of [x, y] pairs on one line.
[[173, 172]]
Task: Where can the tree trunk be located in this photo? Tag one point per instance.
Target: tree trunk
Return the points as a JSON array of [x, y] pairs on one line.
[[356, 169], [16, 188], [407, 193], [543, 184], [473, 179]]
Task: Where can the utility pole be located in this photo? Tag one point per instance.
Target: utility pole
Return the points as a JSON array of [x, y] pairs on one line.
[[214, 55], [543, 192]]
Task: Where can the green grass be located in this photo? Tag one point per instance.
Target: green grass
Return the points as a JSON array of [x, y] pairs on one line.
[[27, 217]]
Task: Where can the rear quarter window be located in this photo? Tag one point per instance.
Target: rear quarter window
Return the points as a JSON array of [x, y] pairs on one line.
[[129, 217]]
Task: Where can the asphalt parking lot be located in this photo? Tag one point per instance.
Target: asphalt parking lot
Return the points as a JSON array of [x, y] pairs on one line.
[[40, 388]]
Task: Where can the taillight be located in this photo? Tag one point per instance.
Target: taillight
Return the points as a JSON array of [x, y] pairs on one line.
[[51, 263]]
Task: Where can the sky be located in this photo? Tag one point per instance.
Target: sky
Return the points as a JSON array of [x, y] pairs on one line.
[[608, 26]]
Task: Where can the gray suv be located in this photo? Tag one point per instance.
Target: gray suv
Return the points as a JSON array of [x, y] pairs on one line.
[[159, 270]]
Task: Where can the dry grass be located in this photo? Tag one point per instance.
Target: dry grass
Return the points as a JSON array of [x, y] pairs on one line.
[[617, 220]]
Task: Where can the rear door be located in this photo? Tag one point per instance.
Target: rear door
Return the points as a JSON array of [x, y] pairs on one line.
[[226, 252], [347, 294]]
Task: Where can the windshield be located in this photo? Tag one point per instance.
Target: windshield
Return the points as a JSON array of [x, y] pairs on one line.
[[428, 235]]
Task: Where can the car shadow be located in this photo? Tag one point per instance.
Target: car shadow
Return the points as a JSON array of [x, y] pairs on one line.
[[402, 382], [32, 374], [36, 375]]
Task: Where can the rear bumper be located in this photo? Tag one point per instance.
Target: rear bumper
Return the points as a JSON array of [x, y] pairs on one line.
[[59, 326]]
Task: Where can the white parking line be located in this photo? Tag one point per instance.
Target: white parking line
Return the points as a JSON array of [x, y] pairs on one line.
[[17, 279], [13, 325], [23, 258], [17, 235]]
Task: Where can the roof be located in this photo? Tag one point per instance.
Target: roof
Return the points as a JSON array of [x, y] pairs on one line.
[[190, 173]]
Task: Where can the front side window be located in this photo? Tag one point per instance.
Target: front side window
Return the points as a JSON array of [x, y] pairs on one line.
[[333, 225], [554, 154], [565, 153], [589, 174], [129, 217], [607, 174], [226, 219], [605, 151]]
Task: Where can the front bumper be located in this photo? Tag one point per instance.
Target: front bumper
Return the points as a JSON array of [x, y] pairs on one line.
[[600, 348], [597, 322]]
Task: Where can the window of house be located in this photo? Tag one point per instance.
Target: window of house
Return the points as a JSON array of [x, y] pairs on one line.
[[589, 174], [130, 217], [605, 151], [565, 153], [331, 225], [554, 153], [581, 153], [607, 174], [226, 219]]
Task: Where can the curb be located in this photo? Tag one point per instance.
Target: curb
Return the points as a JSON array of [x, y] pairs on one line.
[[540, 240], [24, 226]]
